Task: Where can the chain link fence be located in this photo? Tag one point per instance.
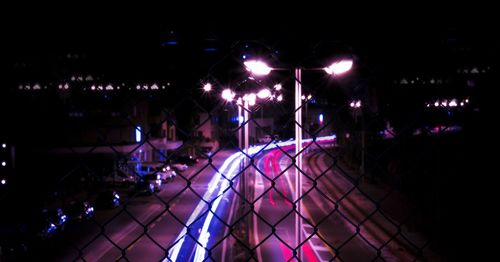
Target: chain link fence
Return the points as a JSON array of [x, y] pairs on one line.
[[113, 171]]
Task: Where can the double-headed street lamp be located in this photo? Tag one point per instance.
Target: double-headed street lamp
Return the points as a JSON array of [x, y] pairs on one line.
[[260, 68], [244, 103]]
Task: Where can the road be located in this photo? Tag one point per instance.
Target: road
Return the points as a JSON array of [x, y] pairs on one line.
[[200, 217], [350, 225], [145, 227]]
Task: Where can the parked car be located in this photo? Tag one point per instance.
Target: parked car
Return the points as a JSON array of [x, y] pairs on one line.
[[166, 172], [107, 199], [206, 151], [56, 216], [144, 187], [179, 166], [155, 180], [119, 178], [42, 227], [186, 159], [79, 211]]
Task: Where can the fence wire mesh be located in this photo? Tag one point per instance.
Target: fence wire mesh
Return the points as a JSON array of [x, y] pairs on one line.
[[159, 172]]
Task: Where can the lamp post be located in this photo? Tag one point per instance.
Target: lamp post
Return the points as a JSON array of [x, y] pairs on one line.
[[260, 68], [244, 103]]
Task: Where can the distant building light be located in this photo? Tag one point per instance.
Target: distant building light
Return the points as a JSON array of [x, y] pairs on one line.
[[3, 181], [66, 86], [154, 87], [280, 98], [4, 145], [404, 81], [207, 87], [138, 134], [351, 104], [474, 70], [170, 43], [436, 104], [467, 100], [73, 78], [462, 103], [4, 163], [138, 87], [358, 104], [277, 87], [320, 118], [210, 49], [453, 103]]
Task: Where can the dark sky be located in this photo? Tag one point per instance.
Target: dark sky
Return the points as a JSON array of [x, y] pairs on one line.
[[135, 33]]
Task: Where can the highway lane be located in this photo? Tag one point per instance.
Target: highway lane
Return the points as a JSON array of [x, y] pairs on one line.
[[274, 191], [350, 226], [163, 215], [362, 208], [167, 235]]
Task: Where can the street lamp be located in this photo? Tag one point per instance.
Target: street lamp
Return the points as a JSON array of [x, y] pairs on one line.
[[260, 68], [244, 103]]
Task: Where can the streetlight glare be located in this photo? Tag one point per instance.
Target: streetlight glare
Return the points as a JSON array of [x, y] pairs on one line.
[[207, 87], [280, 98], [277, 87], [228, 95], [250, 98], [340, 67], [264, 93], [257, 67]]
